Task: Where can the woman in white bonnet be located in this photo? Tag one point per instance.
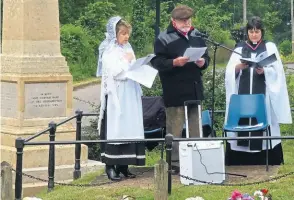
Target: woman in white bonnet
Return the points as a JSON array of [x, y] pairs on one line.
[[121, 114]]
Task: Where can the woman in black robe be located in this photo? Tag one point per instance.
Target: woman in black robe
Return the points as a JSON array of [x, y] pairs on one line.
[[252, 80]]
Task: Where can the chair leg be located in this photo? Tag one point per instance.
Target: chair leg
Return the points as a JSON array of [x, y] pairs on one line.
[[213, 134], [267, 151], [225, 143], [270, 134], [225, 135]]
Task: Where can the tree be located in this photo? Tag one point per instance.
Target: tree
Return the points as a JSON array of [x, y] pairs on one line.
[[70, 10], [75, 46], [123, 8], [139, 26], [94, 20], [210, 19]]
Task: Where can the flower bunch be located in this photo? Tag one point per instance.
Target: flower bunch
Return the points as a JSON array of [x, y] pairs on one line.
[[236, 195], [262, 194], [258, 195]]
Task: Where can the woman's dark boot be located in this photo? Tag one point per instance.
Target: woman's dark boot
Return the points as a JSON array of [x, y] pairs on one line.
[[111, 173], [124, 169]]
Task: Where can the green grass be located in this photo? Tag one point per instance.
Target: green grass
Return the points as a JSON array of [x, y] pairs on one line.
[[282, 189], [91, 80]]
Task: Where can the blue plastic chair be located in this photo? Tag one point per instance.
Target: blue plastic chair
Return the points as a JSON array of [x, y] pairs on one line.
[[206, 123], [248, 106], [206, 120]]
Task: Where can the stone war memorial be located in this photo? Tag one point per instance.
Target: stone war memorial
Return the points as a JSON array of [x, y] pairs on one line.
[[36, 89]]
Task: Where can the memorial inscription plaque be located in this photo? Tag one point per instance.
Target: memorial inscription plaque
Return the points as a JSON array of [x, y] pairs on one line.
[[45, 100]]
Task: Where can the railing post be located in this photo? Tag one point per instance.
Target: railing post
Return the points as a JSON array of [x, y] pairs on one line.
[[6, 181], [51, 163], [19, 144], [161, 180], [77, 171], [169, 141]]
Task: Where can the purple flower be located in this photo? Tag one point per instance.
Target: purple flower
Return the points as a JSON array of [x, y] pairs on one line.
[[246, 197]]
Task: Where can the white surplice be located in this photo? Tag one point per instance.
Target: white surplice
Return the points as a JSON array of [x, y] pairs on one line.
[[277, 99]]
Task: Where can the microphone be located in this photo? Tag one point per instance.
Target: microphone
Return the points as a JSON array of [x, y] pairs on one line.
[[198, 33]]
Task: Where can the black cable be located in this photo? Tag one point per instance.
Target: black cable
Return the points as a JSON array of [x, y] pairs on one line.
[[240, 184], [215, 172]]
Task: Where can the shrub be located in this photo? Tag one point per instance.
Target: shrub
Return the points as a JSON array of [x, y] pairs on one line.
[[219, 95], [156, 89], [94, 21], [139, 27], [285, 47], [75, 46], [287, 59], [289, 128]]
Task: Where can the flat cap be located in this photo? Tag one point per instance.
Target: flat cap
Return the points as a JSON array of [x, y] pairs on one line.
[[182, 12]]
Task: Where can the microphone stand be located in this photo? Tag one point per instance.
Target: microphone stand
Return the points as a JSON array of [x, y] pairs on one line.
[[215, 46]]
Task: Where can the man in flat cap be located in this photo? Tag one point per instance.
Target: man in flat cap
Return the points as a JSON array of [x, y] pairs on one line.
[[180, 79]]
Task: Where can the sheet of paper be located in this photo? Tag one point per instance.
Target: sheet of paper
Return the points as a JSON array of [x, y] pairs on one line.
[[142, 61], [144, 75], [194, 53]]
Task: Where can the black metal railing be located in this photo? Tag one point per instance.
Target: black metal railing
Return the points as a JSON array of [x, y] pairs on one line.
[[77, 171], [20, 143], [51, 161]]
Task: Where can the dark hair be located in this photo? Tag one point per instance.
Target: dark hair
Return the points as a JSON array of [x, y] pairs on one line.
[[255, 23]]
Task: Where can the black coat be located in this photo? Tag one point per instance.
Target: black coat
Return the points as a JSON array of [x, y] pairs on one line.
[[179, 84]]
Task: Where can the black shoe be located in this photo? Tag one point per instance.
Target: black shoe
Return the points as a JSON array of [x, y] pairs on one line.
[[111, 173], [124, 169]]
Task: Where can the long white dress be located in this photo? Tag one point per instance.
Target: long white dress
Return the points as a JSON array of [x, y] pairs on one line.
[[124, 109], [124, 105]]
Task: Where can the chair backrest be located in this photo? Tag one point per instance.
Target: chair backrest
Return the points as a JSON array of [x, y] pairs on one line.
[[206, 119], [247, 106]]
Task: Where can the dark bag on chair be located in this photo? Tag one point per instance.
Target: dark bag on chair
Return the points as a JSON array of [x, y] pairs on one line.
[[153, 113]]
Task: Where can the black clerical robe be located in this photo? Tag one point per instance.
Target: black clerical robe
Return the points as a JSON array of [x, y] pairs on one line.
[[251, 83]]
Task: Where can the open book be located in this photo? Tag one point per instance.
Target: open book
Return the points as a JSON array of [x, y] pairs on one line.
[[194, 53], [141, 72], [262, 60]]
